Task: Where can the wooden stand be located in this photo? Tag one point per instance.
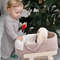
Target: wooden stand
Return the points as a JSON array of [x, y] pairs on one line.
[[32, 56]]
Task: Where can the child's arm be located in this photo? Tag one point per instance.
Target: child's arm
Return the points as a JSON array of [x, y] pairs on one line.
[[10, 31]]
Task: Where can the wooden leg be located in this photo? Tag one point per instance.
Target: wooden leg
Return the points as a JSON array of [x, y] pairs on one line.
[[50, 58], [22, 58], [28, 59], [31, 58]]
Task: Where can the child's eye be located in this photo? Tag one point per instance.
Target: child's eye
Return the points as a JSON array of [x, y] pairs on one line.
[[15, 6]]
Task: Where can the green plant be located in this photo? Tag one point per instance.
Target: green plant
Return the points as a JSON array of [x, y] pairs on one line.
[[47, 15]]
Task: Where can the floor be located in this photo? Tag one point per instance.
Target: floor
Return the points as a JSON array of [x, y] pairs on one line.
[[57, 57]]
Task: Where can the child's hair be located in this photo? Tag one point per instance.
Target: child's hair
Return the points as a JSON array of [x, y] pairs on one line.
[[11, 2]]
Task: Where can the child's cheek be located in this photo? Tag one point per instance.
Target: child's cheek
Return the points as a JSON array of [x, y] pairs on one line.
[[15, 16]]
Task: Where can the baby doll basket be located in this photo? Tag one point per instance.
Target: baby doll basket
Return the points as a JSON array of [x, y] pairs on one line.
[[48, 49]]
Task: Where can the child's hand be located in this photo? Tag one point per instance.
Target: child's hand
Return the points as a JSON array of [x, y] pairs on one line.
[[19, 38]]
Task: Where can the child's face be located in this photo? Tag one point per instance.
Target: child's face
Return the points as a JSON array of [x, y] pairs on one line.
[[15, 11]]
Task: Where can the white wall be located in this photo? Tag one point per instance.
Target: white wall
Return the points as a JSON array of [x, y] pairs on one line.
[[2, 4]]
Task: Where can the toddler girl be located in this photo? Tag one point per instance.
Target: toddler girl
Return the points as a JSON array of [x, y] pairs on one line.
[[11, 25]]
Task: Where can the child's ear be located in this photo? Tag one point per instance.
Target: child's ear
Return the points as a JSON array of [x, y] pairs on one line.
[[8, 9]]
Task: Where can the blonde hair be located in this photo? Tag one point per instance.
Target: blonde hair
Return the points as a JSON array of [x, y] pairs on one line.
[[11, 2]]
